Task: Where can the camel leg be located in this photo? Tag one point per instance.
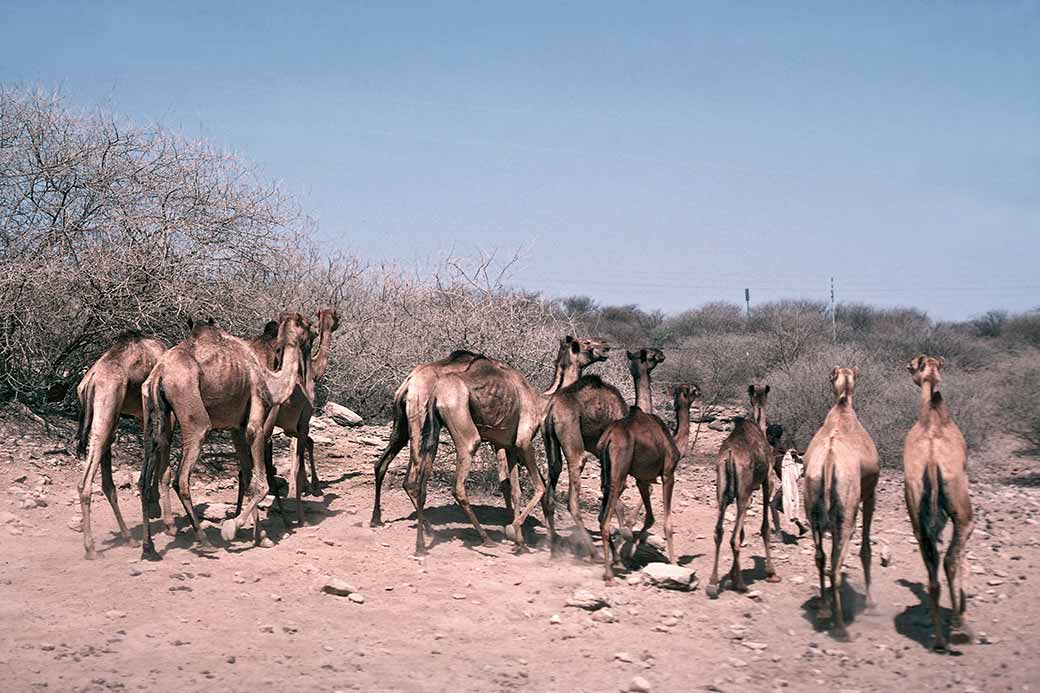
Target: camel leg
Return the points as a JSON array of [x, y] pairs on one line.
[[774, 509], [667, 488], [963, 526], [245, 470], [166, 502], [86, 484], [648, 521], [272, 483], [316, 490], [609, 504], [191, 451], [419, 465], [841, 542], [256, 438], [505, 485], [398, 439], [713, 583], [572, 448], [109, 488], [865, 549], [298, 474], [526, 449], [734, 542], [771, 575], [467, 439], [824, 612]]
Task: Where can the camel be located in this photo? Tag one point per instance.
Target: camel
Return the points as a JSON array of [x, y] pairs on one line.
[[213, 380], [841, 472], [641, 445], [575, 419], [743, 464], [478, 399], [110, 389], [294, 416], [934, 465]]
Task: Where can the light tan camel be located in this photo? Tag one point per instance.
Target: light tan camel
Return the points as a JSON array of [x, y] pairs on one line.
[[478, 399], [294, 416], [575, 419], [641, 445], [934, 463], [213, 380], [743, 465], [110, 389], [841, 472]]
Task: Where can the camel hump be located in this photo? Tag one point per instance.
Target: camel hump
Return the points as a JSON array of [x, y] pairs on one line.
[[462, 355]]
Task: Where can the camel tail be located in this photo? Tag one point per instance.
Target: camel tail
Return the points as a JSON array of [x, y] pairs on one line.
[[828, 484], [156, 424], [604, 477], [728, 492], [86, 418], [431, 428], [933, 519], [553, 455]]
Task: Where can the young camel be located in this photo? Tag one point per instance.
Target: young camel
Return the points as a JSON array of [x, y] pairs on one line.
[[641, 445], [213, 380], [934, 464], [294, 416], [744, 464], [576, 418], [414, 393], [841, 472], [111, 388]]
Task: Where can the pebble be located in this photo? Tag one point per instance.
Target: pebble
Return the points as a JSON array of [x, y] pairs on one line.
[[604, 615], [356, 597], [115, 614], [338, 587], [623, 657], [267, 628], [639, 685], [555, 619]]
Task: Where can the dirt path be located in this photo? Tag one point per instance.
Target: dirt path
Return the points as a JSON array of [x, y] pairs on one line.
[[469, 618]]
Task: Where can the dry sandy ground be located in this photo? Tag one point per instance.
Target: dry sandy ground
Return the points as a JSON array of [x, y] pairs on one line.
[[470, 618]]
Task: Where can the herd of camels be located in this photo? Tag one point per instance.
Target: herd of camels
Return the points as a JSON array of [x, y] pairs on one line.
[[216, 381]]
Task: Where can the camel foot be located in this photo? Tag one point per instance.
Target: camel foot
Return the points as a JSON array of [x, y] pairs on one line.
[[90, 555], [740, 587], [940, 647], [872, 606], [961, 635], [130, 541], [488, 543], [776, 536], [148, 553], [626, 533], [265, 543], [824, 613], [712, 590], [228, 529], [608, 580], [774, 578], [171, 530], [840, 634]]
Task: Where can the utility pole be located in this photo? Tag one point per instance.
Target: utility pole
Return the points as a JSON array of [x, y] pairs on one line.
[[834, 319], [747, 300]]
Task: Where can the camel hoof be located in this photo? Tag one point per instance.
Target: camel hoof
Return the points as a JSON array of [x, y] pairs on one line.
[[961, 635], [170, 530], [940, 647], [90, 555], [148, 553], [131, 542], [840, 634], [265, 543], [227, 530], [712, 590], [489, 543], [740, 587], [773, 578]]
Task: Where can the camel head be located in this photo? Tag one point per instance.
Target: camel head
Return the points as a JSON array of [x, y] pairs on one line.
[[328, 319], [294, 329], [684, 395], [926, 369], [758, 394], [576, 354], [774, 434], [844, 382], [644, 359]]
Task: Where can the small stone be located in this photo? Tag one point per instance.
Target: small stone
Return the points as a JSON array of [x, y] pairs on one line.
[[737, 662], [583, 599], [338, 587], [886, 556], [267, 628], [623, 657], [459, 597], [115, 614], [755, 594], [604, 615], [639, 685], [555, 619], [230, 659], [356, 597], [668, 576], [756, 646]]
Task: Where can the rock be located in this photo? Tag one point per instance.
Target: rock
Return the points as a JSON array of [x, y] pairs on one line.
[[338, 587], [267, 628], [604, 615], [124, 478], [639, 685], [623, 657], [322, 440], [754, 594], [341, 415], [218, 512], [583, 599], [668, 576], [113, 613], [886, 556], [756, 646], [656, 542], [555, 620], [356, 597]]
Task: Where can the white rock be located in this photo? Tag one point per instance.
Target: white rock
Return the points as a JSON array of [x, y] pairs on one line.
[[555, 619], [604, 615], [639, 685], [338, 587], [342, 415], [668, 576], [356, 597], [583, 599]]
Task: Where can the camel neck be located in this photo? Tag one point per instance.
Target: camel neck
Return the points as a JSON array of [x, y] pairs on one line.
[[320, 361], [644, 398], [931, 402], [760, 419], [569, 373], [682, 426], [282, 382]]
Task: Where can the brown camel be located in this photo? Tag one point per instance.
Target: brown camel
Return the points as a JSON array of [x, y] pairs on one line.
[[110, 389], [478, 399], [213, 380], [743, 464], [294, 416], [641, 445], [934, 463], [841, 472], [575, 419]]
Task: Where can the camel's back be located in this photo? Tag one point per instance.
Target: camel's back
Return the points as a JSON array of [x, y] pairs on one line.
[[594, 403], [938, 442], [843, 437], [226, 368], [131, 358], [746, 439]]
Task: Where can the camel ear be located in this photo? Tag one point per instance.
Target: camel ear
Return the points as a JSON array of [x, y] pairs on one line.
[[942, 362], [566, 340], [575, 346], [915, 363], [271, 329], [631, 356], [191, 324], [767, 390], [855, 371], [834, 374], [642, 354], [211, 321], [750, 390]]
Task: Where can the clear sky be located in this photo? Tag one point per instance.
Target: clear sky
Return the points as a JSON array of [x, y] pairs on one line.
[[664, 154]]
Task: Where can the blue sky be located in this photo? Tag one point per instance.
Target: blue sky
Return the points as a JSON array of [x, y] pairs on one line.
[[664, 154]]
